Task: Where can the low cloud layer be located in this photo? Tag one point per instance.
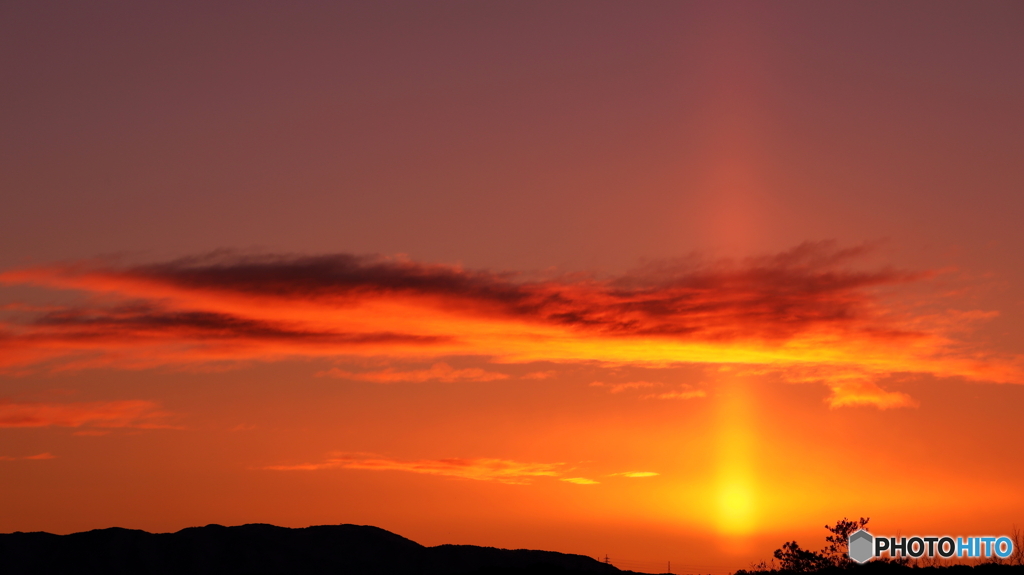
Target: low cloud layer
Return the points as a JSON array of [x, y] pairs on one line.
[[807, 308]]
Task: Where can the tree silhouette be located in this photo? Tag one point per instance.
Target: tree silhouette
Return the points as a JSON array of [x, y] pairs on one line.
[[792, 557], [837, 552], [835, 555]]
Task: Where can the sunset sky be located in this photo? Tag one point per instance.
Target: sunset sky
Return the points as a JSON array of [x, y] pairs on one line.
[[666, 281]]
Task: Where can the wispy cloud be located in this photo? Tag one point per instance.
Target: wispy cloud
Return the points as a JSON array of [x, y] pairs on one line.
[[684, 392], [540, 374], [480, 469], [620, 387], [807, 307], [850, 387], [853, 393], [37, 457], [437, 372], [579, 480], [104, 414]]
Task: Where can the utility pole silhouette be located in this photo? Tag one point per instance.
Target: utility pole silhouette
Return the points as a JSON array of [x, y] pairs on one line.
[[606, 559], [669, 566]]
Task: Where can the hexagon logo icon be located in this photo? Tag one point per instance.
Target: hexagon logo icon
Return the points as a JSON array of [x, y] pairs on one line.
[[859, 545]]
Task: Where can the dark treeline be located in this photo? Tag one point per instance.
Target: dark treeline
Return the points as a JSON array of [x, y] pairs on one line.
[[269, 550], [893, 568], [362, 550]]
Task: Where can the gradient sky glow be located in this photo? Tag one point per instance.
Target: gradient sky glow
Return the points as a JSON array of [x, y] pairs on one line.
[[658, 280]]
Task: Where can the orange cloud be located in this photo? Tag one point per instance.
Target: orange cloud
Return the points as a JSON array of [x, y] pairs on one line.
[[850, 387], [540, 375], [853, 393], [480, 469], [806, 308], [437, 372], [37, 457], [133, 413], [685, 393], [620, 387]]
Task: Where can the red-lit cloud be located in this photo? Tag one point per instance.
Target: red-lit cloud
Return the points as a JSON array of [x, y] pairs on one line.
[[36, 457], [620, 387], [540, 374], [437, 372], [684, 392], [850, 387], [108, 414], [807, 308], [865, 392]]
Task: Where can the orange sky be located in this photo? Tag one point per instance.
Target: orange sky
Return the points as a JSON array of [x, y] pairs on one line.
[[663, 282]]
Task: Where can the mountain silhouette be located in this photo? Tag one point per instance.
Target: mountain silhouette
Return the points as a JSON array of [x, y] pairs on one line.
[[259, 549]]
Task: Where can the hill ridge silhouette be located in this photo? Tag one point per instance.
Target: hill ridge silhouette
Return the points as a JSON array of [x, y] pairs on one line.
[[264, 549]]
